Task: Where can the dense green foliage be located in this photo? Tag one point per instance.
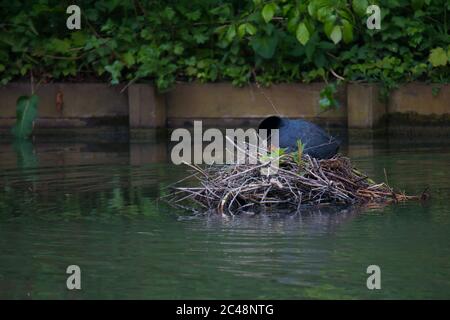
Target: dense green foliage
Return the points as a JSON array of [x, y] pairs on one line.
[[214, 40]]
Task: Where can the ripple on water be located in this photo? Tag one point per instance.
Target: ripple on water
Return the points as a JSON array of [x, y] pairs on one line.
[[98, 209]]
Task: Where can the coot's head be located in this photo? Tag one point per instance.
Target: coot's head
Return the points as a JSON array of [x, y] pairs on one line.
[[272, 122]]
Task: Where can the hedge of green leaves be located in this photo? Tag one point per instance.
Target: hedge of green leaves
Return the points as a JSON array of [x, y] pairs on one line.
[[216, 40]]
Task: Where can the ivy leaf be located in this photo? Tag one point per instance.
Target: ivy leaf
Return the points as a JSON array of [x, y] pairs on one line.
[[360, 7], [251, 30], [292, 24], [302, 33], [269, 11], [336, 34], [231, 33], [78, 39], [328, 28], [241, 30], [264, 46], [200, 38], [327, 97], [128, 58], [26, 112], [438, 57], [178, 49], [58, 45], [347, 31], [194, 15], [115, 71], [312, 9], [435, 91], [324, 13], [169, 13], [324, 103]]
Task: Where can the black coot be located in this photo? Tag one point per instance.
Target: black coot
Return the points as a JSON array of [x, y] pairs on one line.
[[317, 143]]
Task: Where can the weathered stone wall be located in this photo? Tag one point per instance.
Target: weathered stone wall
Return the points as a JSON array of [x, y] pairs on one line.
[[224, 103], [84, 104], [140, 106], [419, 98], [366, 110]]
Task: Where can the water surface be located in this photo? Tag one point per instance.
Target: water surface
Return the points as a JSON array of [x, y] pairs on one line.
[[95, 205]]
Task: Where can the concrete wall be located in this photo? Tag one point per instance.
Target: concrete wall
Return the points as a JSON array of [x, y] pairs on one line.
[[366, 110], [224, 103], [419, 98], [411, 104], [140, 106], [84, 104], [147, 108]]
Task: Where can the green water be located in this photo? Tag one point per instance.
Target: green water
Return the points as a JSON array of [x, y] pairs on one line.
[[95, 205]]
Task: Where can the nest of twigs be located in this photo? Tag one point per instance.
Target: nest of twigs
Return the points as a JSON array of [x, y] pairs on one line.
[[231, 189]]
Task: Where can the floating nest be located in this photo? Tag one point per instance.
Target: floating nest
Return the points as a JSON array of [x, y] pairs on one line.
[[232, 189]]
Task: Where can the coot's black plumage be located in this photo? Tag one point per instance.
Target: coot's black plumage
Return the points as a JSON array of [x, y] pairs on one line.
[[317, 143]]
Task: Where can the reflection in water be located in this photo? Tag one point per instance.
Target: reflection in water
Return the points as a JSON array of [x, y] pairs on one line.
[[26, 157], [96, 205], [308, 219]]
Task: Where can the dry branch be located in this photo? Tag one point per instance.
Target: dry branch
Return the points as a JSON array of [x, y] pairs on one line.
[[231, 189]]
